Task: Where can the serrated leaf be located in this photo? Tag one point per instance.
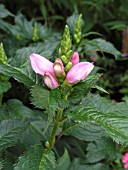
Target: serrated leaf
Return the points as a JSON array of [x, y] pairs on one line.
[[113, 121], [1, 164], [64, 161], [103, 46], [17, 74], [100, 88], [10, 132], [4, 87], [14, 109], [4, 12], [101, 149], [54, 98], [86, 131], [64, 104], [40, 96], [36, 158], [77, 164], [83, 87], [45, 49]]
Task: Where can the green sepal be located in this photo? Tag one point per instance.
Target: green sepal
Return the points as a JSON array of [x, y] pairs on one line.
[[64, 59], [69, 54], [68, 67]]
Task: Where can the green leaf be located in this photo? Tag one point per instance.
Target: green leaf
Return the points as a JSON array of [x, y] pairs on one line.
[[14, 109], [54, 98], [4, 12], [4, 87], [40, 96], [17, 74], [45, 49], [53, 103], [99, 44], [100, 88], [101, 149], [112, 117], [77, 164], [35, 133], [11, 131], [86, 131], [1, 164], [36, 158], [83, 87], [64, 161]]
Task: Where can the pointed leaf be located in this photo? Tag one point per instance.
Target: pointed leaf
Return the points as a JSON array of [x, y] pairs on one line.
[[101, 149], [40, 96], [87, 131], [36, 158], [17, 74], [10, 132], [64, 161], [77, 164], [99, 44], [4, 87], [14, 109], [114, 119], [4, 12]]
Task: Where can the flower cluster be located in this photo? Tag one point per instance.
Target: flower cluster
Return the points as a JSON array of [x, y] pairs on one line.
[[125, 160], [54, 74]]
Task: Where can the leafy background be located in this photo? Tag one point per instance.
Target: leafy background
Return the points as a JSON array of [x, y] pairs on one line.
[[96, 136]]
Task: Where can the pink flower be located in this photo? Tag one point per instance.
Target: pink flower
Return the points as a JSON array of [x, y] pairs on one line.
[[126, 165], [125, 160], [75, 58], [79, 72], [50, 81], [40, 64], [58, 67]]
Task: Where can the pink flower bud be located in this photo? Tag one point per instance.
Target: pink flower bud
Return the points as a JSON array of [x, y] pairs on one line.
[[58, 67], [125, 165], [79, 72], [75, 58], [50, 81], [40, 64], [125, 158]]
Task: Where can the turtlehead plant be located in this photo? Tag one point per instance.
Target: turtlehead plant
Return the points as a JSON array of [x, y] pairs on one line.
[[65, 72], [51, 72]]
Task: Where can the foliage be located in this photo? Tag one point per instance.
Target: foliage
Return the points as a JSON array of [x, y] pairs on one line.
[[71, 126]]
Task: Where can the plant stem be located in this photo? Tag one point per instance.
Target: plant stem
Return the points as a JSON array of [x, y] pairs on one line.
[[56, 127]]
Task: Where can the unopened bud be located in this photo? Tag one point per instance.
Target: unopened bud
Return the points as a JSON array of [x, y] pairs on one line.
[[58, 67], [47, 144], [68, 67], [77, 32], [65, 42], [3, 57], [35, 37], [69, 54], [62, 49], [64, 59]]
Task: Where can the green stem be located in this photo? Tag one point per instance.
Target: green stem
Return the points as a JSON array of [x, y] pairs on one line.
[[1, 97], [56, 127]]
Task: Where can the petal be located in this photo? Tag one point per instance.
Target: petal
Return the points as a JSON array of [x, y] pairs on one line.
[[50, 81], [41, 64], [75, 58], [58, 67], [126, 165], [79, 72], [125, 158]]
